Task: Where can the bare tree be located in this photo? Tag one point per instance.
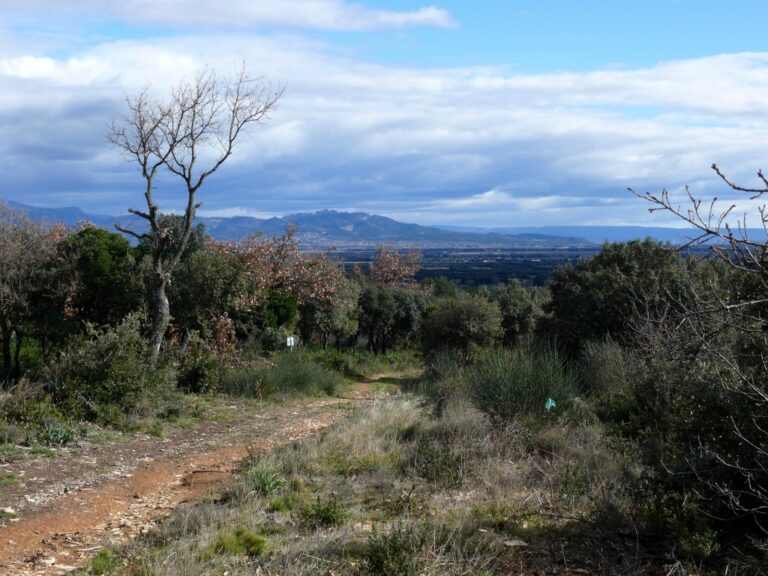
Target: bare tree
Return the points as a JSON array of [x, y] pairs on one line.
[[713, 223], [190, 135]]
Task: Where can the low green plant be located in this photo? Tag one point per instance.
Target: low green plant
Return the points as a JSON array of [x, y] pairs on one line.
[[56, 433], [156, 429], [9, 479], [322, 513], [241, 542], [341, 362], [41, 451], [8, 514], [496, 516], [572, 483], [263, 479], [681, 518], [354, 465], [392, 553], [433, 459], [405, 502], [284, 503], [288, 373], [110, 415], [9, 452], [104, 562], [509, 383], [241, 381], [33, 412], [296, 373]]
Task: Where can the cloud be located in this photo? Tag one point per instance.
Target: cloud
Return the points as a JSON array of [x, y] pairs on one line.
[[72, 71], [471, 145], [335, 15], [733, 84], [235, 211]]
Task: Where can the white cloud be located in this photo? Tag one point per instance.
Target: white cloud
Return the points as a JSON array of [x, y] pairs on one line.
[[315, 14], [235, 211], [72, 71], [473, 145]]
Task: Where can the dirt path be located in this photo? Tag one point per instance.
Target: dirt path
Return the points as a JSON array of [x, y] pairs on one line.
[[73, 505]]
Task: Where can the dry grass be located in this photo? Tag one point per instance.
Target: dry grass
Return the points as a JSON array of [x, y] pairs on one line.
[[408, 493]]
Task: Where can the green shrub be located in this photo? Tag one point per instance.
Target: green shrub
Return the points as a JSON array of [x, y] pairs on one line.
[[595, 297], [263, 479], [341, 362], [433, 459], [242, 381], [199, 371], [700, 435], [322, 513], [271, 339], [288, 373], [294, 372], [507, 383], [11, 433], [444, 379], [33, 412], [241, 542], [103, 563], [33, 416], [107, 371], [681, 517], [110, 415], [608, 374], [465, 324], [284, 503], [56, 433], [9, 479], [392, 553]]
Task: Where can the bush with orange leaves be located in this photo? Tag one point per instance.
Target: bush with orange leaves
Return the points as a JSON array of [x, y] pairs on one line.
[[30, 276], [276, 263], [390, 268]]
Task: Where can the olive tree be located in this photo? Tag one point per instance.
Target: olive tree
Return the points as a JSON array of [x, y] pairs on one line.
[[189, 134]]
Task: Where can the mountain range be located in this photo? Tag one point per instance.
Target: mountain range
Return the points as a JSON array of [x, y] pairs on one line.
[[359, 230], [325, 228]]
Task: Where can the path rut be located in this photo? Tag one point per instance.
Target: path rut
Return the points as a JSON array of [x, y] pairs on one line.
[[71, 507]]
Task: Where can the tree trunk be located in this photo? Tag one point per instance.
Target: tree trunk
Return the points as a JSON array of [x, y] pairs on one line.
[[161, 314], [5, 332], [43, 338], [185, 342], [17, 353]]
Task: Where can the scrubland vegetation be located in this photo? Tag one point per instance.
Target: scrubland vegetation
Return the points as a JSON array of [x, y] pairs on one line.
[[613, 422]]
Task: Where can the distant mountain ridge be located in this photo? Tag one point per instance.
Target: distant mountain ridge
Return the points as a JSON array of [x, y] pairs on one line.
[[327, 228], [351, 230]]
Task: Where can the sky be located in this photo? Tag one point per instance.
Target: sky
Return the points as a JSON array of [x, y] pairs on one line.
[[492, 113]]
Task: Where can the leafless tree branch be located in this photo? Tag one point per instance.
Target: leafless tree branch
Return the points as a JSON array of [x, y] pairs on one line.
[[201, 119]]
